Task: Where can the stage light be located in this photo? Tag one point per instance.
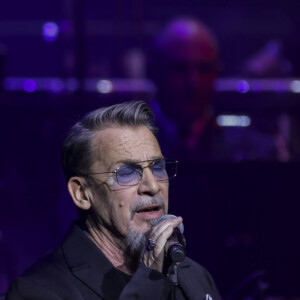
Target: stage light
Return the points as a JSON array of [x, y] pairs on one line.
[[104, 86], [243, 86], [295, 86], [29, 85], [233, 121], [50, 31]]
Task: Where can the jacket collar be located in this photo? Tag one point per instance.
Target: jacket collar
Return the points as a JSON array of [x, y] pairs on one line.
[[194, 283], [86, 261]]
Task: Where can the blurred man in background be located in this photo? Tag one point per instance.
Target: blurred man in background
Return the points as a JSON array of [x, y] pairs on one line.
[[185, 66]]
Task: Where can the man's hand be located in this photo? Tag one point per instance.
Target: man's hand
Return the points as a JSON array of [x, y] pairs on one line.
[[160, 233]]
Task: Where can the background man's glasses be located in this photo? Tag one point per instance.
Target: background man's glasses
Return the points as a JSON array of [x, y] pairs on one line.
[[131, 174]]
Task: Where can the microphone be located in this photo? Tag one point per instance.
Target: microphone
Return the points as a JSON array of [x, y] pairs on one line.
[[176, 244]]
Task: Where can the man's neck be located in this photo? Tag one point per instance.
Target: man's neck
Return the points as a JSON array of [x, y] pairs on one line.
[[112, 247]]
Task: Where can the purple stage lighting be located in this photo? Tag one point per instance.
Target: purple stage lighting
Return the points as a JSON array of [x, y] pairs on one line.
[[29, 86], [279, 86], [243, 86], [56, 85], [104, 86], [50, 31], [295, 86]]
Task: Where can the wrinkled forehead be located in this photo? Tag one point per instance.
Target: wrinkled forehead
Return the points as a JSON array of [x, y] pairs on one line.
[[125, 144]]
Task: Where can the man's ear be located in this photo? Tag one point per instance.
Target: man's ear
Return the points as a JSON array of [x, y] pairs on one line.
[[79, 192]]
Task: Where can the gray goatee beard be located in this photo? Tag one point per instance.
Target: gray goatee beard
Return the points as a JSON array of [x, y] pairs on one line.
[[136, 241]]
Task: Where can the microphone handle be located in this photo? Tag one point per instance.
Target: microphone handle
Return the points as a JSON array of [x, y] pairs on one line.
[[176, 247]]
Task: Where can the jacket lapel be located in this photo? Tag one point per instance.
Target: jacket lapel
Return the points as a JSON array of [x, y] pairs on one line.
[[90, 266], [193, 284]]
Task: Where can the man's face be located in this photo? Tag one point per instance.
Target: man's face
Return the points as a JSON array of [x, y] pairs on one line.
[[124, 207], [189, 74]]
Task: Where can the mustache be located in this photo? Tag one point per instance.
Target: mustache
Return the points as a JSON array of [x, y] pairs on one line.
[[147, 202]]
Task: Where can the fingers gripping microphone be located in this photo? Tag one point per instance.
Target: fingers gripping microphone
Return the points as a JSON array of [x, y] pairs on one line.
[[176, 244]]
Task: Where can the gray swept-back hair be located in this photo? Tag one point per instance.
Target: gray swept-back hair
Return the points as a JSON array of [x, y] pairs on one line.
[[77, 152]]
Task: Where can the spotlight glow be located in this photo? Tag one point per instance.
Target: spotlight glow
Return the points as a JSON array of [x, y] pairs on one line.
[[104, 86], [50, 31], [243, 86], [233, 121], [295, 86], [29, 85]]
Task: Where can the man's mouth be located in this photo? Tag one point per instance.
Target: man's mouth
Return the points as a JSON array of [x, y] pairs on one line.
[[150, 212], [151, 208]]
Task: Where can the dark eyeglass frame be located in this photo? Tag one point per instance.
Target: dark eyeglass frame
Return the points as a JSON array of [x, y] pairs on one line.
[[140, 169]]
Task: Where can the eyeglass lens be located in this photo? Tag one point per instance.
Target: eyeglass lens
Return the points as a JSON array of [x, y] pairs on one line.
[[131, 174]]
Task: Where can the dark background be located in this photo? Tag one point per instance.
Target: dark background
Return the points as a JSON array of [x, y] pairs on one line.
[[241, 219]]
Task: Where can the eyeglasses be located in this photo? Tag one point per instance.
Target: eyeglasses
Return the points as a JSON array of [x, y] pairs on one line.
[[131, 174]]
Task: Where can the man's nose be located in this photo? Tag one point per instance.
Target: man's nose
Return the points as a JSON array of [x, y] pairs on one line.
[[148, 184]]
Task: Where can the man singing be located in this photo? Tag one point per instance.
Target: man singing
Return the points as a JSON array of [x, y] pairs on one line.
[[119, 180]]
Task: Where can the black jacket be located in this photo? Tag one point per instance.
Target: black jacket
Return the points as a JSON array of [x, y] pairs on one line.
[[78, 270]]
